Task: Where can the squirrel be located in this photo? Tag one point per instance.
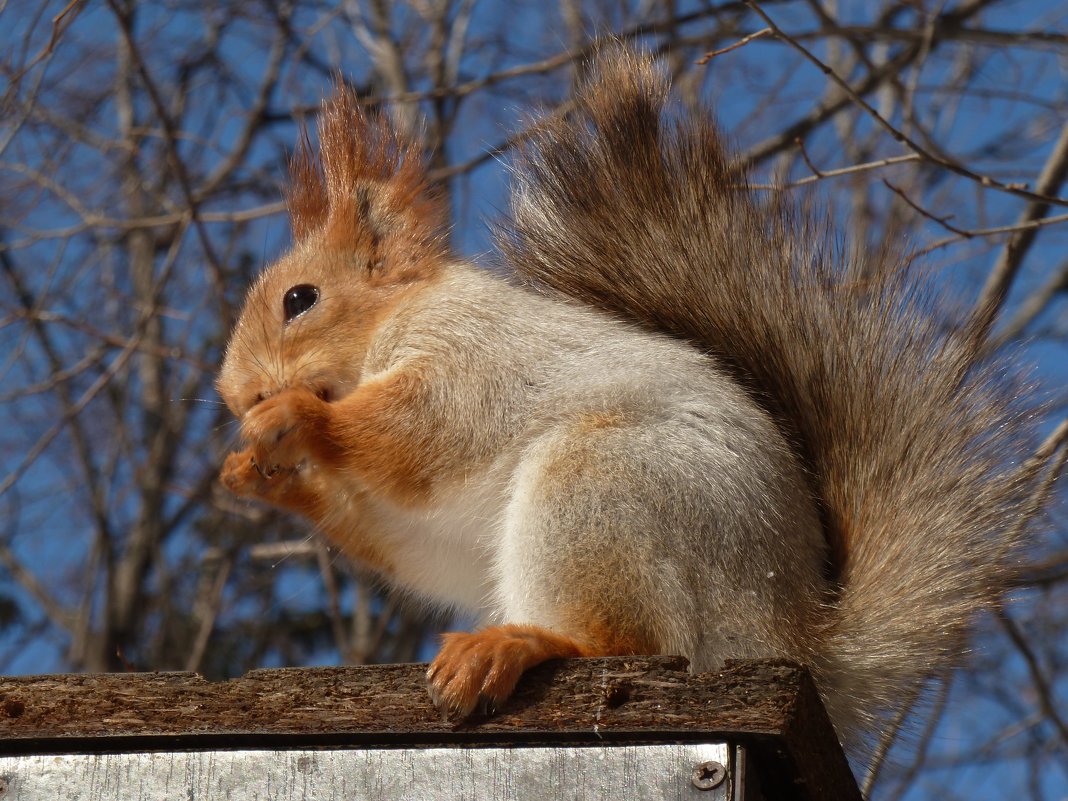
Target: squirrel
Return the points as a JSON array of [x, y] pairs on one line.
[[686, 425]]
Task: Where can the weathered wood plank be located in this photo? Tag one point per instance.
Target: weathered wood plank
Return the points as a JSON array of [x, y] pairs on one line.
[[577, 773], [772, 707]]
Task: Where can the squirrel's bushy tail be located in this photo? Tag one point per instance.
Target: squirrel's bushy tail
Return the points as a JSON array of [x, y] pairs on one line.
[[910, 443]]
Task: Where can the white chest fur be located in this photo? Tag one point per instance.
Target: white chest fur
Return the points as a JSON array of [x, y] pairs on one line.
[[445, 551]]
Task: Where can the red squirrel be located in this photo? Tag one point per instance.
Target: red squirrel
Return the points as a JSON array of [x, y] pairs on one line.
[[685, 426]]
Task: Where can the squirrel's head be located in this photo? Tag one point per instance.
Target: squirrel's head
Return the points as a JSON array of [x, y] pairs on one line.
[[367, 229]]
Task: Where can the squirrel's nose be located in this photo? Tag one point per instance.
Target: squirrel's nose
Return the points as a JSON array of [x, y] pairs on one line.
[[260, 397]]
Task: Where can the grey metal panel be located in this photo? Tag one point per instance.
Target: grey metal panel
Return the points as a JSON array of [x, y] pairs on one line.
[[610, 773]]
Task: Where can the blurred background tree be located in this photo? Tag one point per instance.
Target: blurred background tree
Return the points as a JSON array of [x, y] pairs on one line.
[[142, 150]]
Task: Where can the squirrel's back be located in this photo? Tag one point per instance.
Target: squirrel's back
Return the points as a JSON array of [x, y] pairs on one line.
[[909, 442]]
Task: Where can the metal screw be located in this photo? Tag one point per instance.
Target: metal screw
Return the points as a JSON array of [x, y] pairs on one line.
[[708, 775]]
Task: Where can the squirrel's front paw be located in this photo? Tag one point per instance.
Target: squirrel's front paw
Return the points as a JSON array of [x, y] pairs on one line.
[[479, 671], [283, 431], [243, 476], [474, 672], [236, 473], [286, 487]]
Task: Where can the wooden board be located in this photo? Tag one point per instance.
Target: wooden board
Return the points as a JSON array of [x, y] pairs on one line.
[[772, 708]]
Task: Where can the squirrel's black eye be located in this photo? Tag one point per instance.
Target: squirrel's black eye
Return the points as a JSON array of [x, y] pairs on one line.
[[298, 300]]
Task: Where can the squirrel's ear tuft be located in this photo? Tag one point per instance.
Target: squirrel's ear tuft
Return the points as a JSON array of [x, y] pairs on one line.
[[368, 188], [306, 194]]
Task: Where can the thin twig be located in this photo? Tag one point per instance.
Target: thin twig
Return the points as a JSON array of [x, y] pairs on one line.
[[943, 221], [740, 43], [952, 166], [973, 233], [823, 174], [208, 613], [933, 721], [60, 23], [46, 439], [1012, 255], [887, 740], [1052, 446], [28, 581], [171, 140], [1031, 307], [154, 221], [337, 622], [1045, 691], [816, 172]]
